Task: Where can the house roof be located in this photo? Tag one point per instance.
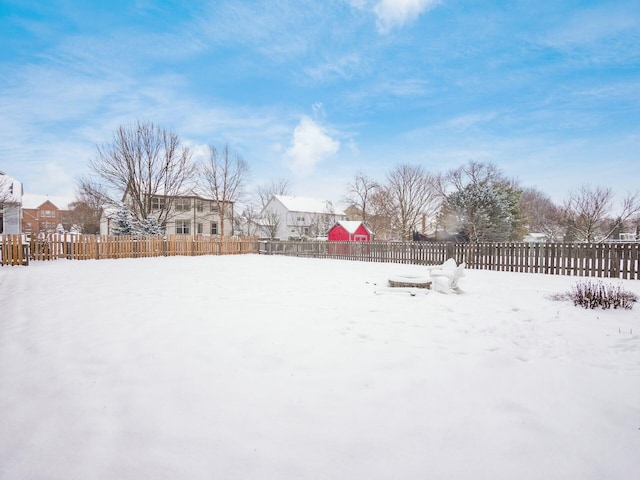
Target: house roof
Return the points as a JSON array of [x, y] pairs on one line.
[[351, 225], [189, 192], [308, 205], [33, 200]]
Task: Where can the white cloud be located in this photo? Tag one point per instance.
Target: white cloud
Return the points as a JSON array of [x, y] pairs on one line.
[[468, 121], [318, 111], [199, 152], [359, 4], [53, 178], [395, 13], [336, 68], [310, 146]]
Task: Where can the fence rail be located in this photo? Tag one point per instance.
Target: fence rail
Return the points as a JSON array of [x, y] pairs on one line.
[[20, 249], [612, 260]]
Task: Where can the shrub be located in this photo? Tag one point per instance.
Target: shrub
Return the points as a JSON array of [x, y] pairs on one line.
[[590, 294]]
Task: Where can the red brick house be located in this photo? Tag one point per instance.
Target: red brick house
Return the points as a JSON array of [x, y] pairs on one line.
[[45, 218]]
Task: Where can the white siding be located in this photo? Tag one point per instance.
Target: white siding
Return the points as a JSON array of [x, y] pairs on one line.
[[298, 222]]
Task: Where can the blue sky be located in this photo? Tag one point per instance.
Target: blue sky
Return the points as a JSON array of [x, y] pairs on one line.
[[315, 91]]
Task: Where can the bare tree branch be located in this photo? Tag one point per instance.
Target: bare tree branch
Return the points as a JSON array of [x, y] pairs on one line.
[[224, 177], [360, 192], [542, 215], [141, 163], [412, 193], [587, 210], [264, 193]]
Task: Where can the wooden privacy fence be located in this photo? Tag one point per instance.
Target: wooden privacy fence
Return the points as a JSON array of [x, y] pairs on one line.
[[19, 249], [613, 260]]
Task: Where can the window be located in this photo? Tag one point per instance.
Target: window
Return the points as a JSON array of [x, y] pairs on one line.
[[157, 203], [47, 213], [214, 207], [183, 227], [214, 228], [299, 219], [200, 206], [182, 204], [199, 229]]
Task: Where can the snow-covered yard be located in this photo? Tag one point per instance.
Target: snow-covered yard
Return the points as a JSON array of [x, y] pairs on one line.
[[259, 367]]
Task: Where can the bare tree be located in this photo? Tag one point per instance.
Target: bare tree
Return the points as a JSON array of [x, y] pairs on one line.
[[412, 193], [92, 193], [265, 192], [478, 173], [253, 220], [322, 222], [382, 210], [267, 222], [248, 222], [223, 177], [142, 164], [360, 192], [253, 215], [85, 218], [541, 215], [271, 222], [86, 210], [587, 210]]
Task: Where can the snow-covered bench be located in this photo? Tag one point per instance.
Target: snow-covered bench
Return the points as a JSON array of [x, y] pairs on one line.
[[415, 281], [447, 280]]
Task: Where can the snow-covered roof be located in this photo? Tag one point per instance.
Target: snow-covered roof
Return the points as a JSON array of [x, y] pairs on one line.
[[351, 225], [34, 200], [308, 205]]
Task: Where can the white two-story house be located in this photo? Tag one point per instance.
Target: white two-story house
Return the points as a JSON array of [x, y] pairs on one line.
[[188, 214], [294, 218]]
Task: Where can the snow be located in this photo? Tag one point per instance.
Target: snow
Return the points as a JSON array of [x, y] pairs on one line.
[[33, 200], [351, 225], [266, 367]]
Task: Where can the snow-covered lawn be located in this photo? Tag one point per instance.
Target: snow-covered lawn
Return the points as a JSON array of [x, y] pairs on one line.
[[259, 367]]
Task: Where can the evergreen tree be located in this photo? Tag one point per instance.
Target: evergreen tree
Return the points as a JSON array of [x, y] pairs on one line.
[[484, 207], [486, 212], [124, 222], [150, 226]]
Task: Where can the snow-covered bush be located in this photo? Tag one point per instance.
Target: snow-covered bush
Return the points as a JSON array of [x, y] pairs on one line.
[[124, 222], [150, 226], [591, 294]]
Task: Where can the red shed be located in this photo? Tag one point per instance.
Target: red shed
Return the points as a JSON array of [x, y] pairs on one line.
[[345, 231]]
